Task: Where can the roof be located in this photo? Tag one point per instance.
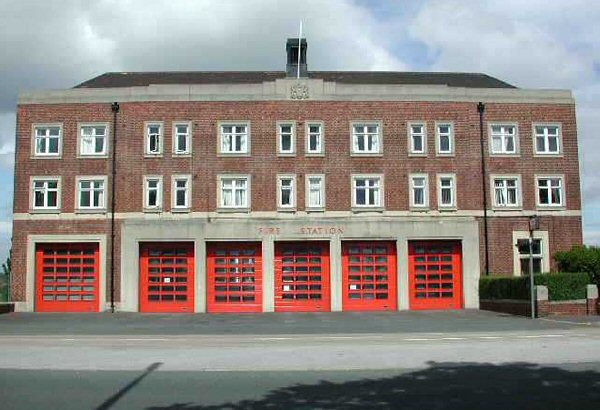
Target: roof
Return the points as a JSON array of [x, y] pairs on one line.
[[141, 79]]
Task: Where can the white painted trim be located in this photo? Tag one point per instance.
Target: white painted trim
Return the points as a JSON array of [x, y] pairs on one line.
[[381, 205], [161, 139], [543, 235], [280, 90], [517, 141], [247, 152], [189, 143], [293, 193], [93, 178], [409, 147], [61, 137], [425, 206], [55, 210], [454, 204], [279, 151], [409, 215], [452, 151], [536, 153], [106, 126], [519, 187], [220, 207], [188, 197], [160, 195], [563, 193], [307, 151], [309, 208], [367, 123]]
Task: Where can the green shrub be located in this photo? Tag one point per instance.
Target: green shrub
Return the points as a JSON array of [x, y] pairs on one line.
[[4, 288], [565, 286], [503, 287], [580, 259], [561, 286]]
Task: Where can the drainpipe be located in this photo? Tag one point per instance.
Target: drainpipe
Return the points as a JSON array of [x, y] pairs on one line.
[[115, 110], [481, 110]]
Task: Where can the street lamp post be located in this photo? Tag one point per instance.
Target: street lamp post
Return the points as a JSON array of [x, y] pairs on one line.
[[534, 224]]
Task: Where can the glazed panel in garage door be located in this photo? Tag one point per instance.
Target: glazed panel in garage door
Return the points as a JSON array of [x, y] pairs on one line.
[[167, 277], [435, 275], [369, 276], [67, 277], [234, 277], [302, 277]]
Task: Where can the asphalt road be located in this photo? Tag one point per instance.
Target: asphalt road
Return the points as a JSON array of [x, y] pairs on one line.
[[438, 360]]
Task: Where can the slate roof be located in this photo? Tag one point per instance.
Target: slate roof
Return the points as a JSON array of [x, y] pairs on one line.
[[140, 79]]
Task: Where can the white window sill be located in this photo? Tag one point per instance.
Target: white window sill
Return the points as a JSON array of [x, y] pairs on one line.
[[233, 154], [91, 211], [147, 155], [233, 210], [366, 154], [92, 156], [417, 154], [358, 209], [314, 154], [286, 154], [44, 210], [180, 210], [315, 209]]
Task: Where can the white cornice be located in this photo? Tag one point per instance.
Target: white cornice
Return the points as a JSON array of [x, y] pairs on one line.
[[279, 90]]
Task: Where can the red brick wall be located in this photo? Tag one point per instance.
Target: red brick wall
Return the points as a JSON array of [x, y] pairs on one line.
[[264, 163]]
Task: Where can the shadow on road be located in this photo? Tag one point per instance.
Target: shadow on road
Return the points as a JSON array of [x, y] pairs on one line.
[[108, 403], [441, 386]]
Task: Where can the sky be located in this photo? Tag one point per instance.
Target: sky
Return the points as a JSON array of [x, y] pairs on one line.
[[550, 44]]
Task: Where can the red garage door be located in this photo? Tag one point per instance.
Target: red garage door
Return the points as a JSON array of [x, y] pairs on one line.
[[234, 277], [435, 275], [67, 277], [369, 276], [167, 277], [302, 277]]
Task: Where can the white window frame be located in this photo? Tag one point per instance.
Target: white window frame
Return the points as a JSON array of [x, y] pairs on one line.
[[442, 206], [50, 155], [538, 234], [292, 151], [563, 197], [188, 138], [310, 207], [559, 139], [188, 191], [360, 207], [159, 193], [411, 151], [161, 138], [503, 136], [292, 205], [354, 138], [45, 208], [221, 135], [438, 136], [321, 151], [91, 178], [517, 178], [234, 207], [94, 125], [411, 187]]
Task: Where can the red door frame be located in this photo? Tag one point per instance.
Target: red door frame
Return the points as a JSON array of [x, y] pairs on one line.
[[309, 286], [429, 274], [175, 287], [60, 279], [234, 277], [368, 283]]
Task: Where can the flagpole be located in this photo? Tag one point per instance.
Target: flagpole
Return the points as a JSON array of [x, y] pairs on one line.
[[299, 49]]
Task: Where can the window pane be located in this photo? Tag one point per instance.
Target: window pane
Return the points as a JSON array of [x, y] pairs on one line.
[[552, 144], [286, 143], [417, 143], [540, 144]]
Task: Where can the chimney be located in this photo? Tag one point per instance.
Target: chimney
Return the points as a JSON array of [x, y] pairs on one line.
[[291, 48]]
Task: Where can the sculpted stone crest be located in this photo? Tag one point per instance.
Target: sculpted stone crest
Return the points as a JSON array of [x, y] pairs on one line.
[[299, 92]]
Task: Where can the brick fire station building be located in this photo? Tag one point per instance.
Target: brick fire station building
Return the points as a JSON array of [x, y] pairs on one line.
[[261, 191]]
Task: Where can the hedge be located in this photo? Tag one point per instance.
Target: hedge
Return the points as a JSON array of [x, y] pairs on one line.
[[561, 286]]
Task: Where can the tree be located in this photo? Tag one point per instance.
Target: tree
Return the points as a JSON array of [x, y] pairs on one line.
[[7, 266]]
